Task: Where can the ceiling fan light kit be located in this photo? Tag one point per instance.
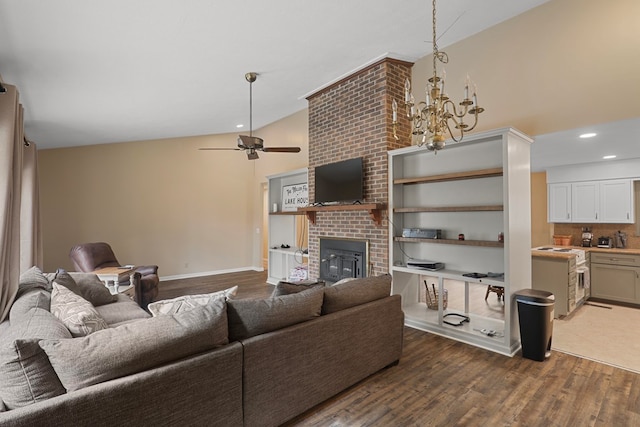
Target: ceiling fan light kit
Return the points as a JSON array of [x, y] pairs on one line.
[[252, 144]]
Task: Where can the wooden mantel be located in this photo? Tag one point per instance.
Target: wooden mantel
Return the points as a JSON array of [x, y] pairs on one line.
[[375, 210]]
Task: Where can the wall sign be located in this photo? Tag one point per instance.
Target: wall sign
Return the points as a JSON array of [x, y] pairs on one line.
[[294, 196]]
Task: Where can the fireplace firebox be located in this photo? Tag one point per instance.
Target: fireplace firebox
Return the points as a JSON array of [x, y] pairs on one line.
[[343, 258]]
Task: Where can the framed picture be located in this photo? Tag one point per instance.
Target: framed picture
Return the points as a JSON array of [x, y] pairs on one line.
[[294, 196]]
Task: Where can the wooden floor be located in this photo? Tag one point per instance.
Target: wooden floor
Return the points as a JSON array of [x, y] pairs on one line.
[[441, 382]]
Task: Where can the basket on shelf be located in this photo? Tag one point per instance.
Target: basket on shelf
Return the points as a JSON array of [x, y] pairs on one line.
[[432, 297]]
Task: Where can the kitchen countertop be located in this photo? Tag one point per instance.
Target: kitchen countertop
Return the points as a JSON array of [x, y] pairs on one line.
[[567, 255]]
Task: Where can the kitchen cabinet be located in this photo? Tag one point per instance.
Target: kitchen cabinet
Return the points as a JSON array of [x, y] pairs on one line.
[[479, 188], [559, 202], [558, 276], [615, 277], [607, 201], [283, 226]]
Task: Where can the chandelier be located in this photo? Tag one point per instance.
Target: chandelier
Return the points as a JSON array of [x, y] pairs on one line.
[[437, 115]]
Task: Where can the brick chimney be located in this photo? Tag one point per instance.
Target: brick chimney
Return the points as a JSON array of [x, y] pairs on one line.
[[352, 118]]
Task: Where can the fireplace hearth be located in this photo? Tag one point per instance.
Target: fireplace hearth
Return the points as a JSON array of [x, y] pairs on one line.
[[343, 258]]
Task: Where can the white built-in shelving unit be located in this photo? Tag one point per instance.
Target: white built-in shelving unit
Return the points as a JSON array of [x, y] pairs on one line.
[[283, 229], [479, 187]]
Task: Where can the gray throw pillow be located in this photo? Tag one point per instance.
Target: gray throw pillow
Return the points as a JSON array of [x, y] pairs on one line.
[[27, 376], [135, 347], [250, 317], [288, 288], [355, 292], [87, 285], [93, 289]]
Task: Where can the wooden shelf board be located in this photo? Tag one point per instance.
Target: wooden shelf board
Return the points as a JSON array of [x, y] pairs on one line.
[[480, 173], [451, 209], [375, 210], [485, 243], [287, 213]]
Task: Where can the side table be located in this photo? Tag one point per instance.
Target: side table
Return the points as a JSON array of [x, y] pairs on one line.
[[116, 275]]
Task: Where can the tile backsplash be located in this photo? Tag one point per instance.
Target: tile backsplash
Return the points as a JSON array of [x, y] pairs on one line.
[[598, 230]]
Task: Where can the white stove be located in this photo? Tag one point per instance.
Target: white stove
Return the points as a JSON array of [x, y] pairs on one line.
[[579, 253]]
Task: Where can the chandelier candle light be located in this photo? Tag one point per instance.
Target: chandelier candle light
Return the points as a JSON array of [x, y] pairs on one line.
[[430, 119]]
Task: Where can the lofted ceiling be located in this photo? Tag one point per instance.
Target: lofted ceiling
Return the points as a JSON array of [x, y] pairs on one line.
[[95, 71]]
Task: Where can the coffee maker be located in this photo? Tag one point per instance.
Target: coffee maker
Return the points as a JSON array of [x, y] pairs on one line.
[[587, 237]]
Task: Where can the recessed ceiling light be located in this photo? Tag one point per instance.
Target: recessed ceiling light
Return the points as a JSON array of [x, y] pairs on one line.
[[588, 135], [609, 157], [240, 126]]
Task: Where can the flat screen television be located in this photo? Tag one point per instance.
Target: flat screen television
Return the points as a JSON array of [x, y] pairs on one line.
[[339, 182]]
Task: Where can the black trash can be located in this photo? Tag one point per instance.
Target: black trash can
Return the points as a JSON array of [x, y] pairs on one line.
[[535, 314]]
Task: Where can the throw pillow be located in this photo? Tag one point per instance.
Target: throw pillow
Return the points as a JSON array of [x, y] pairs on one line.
[[355, 292], [188, 302], [30, 279], [27, 375], [250, 317], [288, 288], [93, 289], [135, 347], [77, 314]]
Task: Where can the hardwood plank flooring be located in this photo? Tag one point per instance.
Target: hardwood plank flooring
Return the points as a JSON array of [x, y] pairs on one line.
[[442, 382]]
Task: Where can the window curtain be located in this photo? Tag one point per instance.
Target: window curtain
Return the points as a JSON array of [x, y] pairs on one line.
[[20, 235]]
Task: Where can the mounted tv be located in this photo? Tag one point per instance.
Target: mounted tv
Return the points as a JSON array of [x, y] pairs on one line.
[[339, 182]]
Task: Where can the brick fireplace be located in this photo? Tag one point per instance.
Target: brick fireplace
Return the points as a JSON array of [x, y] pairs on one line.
[[352, 118]]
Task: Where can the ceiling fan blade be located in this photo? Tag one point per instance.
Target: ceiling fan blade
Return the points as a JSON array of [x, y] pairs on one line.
[[281, 149], [211, 148]]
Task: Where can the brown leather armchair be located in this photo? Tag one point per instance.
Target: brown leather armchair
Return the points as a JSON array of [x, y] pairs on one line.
[[89, 257]]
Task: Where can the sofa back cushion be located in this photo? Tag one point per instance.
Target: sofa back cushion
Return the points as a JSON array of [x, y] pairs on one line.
[[134, 347], [250, 317], [355, 292], [288, 288], [25, 372], [30, 299]]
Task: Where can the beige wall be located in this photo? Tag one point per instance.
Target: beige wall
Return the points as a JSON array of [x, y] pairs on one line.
[[541, 230], [164, 201], [565, 64], [562, 65]]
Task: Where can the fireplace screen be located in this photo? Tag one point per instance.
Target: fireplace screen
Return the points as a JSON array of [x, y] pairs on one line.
[[341, 259]]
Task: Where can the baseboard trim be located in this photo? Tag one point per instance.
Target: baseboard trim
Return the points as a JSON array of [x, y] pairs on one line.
[[210, 273]]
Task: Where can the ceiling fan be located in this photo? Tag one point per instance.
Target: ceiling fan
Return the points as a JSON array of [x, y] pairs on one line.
[[252, 144]]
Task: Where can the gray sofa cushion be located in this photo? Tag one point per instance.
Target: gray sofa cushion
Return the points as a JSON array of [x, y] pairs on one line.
[[27, 375], [33, 278], [250, 317], [124, 310], [355, 292], [31, 299], [288, 288], [134, 347]]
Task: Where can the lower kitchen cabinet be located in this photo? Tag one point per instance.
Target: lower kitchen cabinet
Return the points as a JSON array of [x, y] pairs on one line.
[[559, 277], [615, 277]]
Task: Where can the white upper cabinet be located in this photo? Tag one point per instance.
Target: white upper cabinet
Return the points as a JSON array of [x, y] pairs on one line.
[[606, 201], [616, 201], [559, 202], [585, 202]]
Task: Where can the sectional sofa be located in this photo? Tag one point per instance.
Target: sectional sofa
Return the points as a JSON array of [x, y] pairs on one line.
[[208, 361]]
